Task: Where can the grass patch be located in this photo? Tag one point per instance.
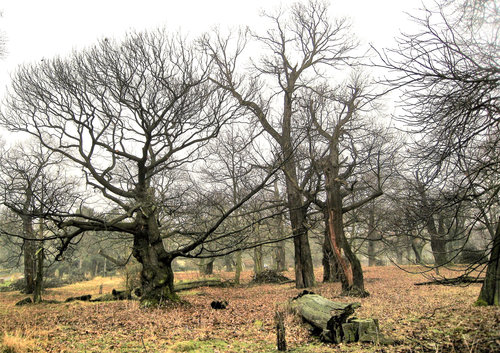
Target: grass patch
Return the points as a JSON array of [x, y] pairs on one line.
[[16, 343], [200, 346]]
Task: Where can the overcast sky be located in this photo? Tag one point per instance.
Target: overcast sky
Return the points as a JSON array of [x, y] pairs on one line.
[[37, 29]]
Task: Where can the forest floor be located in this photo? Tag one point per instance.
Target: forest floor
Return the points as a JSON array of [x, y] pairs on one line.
[[419, 319]]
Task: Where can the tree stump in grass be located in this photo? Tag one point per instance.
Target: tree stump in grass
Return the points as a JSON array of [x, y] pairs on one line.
[[330, 320]]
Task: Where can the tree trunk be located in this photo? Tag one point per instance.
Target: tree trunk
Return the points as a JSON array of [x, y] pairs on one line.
[[157, 276], [29, 249], [372, 236], [330, 266], [239, 267], [304, 269], [207, 267], [280, 257], [490, 291], [351, 276], [417, 248], [258, 261], [438, 242], [37, 292], [228, 262]]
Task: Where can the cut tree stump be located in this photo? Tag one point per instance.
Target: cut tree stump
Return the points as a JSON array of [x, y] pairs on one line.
[[330, 320]]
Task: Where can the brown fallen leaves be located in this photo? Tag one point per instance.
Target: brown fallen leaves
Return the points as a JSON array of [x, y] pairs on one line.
[[419, 318]]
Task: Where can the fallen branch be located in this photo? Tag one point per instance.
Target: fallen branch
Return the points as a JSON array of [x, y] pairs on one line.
[[452, 281]]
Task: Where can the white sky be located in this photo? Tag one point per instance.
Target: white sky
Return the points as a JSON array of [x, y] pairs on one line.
[[45, 28]]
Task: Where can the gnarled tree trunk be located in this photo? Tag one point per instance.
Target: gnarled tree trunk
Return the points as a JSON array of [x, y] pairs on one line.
[[157, 276]]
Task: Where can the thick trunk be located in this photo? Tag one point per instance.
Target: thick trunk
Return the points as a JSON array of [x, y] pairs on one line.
[[304, 269], [228, 262], [336, 236], [157, 276], [330, 265], [438, 242], [258, 261], [352, 274], [490, 291], [280, 257], [207, 267]]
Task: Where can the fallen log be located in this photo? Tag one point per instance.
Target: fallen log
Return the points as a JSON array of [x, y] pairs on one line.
[[181, 286], [330, 320], [84, 298], [456, 281]]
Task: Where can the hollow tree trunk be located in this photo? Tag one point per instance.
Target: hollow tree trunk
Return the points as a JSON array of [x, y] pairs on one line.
[[331, 271], [352, 276], [157, 276], [490, 291]]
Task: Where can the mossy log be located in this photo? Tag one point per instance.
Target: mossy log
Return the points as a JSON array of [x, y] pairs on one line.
[[182, 286], [330, 320]]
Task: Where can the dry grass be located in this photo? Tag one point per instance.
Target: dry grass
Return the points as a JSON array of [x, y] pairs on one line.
[[16, 342], [420, 318]]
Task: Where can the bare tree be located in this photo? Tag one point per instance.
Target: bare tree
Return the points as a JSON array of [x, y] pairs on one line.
[[34, 186], [354, 157], [300, 44], [449, 78], [133, 118]]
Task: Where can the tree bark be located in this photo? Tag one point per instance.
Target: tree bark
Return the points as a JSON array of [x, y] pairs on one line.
[[417, 248], [304, 270], [280, 257], [352, 274], [37, 291], [490, 291], [207, 267], [239, 267], [29, 250], [228, 262], [157, 276], [372, 236], [258, 263], [331, 271]]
